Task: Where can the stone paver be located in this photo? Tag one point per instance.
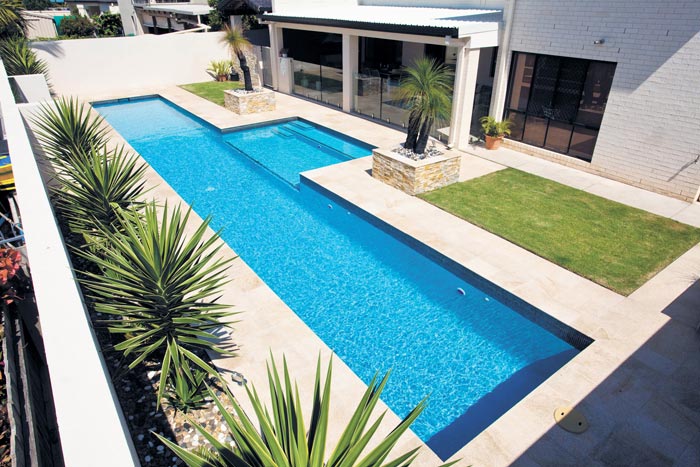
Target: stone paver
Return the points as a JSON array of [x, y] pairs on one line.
[[637, 383]]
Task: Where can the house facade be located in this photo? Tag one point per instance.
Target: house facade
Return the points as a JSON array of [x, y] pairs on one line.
[[607, 87]]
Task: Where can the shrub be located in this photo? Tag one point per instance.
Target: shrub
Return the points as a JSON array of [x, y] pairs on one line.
[[158, 286], [77, 26], [19, 59], [109, 25]]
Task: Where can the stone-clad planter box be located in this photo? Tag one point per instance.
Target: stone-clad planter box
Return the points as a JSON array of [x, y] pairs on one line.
[[414, 177], [249, 103]]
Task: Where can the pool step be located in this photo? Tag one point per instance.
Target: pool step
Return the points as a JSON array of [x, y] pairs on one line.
[[282, 132], [301, 125]]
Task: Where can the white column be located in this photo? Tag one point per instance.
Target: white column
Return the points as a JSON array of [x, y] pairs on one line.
[[500, 79], [463, 96], [350, 59], [276, 44]]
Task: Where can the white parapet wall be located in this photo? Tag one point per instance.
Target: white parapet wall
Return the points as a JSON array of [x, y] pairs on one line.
[[110, 66], [91, 425]]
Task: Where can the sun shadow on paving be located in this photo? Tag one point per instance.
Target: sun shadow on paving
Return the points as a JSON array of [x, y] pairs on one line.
[[647, 412], [482, 414]]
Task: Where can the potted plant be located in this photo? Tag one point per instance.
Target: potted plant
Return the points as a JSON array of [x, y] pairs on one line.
[[220, 69], [494, 131]]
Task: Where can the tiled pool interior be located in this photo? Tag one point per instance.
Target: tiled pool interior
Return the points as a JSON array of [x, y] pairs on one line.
[[379, 300]]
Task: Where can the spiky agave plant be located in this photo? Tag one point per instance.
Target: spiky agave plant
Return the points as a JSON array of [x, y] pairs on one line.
[[97, 186], [427, 88], [66, 130], [284, 439], [20, 59], [161, 287]]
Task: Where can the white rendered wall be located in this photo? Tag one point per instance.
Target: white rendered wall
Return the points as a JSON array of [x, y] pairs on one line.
[[121, 64], [650, 135]]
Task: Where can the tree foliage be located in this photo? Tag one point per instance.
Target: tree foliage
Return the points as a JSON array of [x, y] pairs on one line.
[[77, 26], [108, 25], [37, 4], [427, 88]]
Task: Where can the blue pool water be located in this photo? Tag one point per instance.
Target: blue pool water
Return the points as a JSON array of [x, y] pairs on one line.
[[378, 303], [290, 148]]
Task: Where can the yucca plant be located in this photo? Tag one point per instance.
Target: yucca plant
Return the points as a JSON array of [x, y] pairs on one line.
[[97, 186], [20, 59], [185, 387], [66, 130], [161, 287], [284, 439], [427, 89], [11, 21]]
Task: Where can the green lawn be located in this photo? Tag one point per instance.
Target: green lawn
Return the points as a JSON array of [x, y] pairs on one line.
[[617, 246], [212, 90]]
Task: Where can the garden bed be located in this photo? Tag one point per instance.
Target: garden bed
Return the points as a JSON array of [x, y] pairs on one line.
[[212, 90]]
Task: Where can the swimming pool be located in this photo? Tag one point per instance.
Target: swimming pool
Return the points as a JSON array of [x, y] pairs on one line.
[[379, 303]]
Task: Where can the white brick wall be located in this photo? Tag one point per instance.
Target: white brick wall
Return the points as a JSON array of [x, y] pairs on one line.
[[650, 135]]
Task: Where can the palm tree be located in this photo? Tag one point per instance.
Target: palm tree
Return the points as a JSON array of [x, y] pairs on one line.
[[428, 90], [284, 439], [235, 40]]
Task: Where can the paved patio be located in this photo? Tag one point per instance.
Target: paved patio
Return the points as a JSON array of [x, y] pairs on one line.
[[637, 383]]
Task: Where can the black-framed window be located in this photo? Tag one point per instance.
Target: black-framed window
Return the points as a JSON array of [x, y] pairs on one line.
[[557, 103]]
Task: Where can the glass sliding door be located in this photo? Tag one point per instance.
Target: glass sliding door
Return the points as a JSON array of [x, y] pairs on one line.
[[558, 103], [318, 66]]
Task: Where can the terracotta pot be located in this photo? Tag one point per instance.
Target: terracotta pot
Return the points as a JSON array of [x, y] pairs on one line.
[[493, 142], [221, 78]]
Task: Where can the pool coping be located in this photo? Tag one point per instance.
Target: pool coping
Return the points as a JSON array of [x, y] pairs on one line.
[[525, 423]]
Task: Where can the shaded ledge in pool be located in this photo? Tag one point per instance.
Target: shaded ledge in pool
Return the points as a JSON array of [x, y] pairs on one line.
[[493, 405]]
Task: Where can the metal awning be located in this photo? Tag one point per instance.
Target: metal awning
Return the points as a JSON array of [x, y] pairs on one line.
[[436, 22]]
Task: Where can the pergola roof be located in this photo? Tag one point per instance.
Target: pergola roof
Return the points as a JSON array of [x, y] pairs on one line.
[[409, 20]]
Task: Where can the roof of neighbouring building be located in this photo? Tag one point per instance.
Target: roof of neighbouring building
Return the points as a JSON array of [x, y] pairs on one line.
[[181, 8], [408, 20]]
